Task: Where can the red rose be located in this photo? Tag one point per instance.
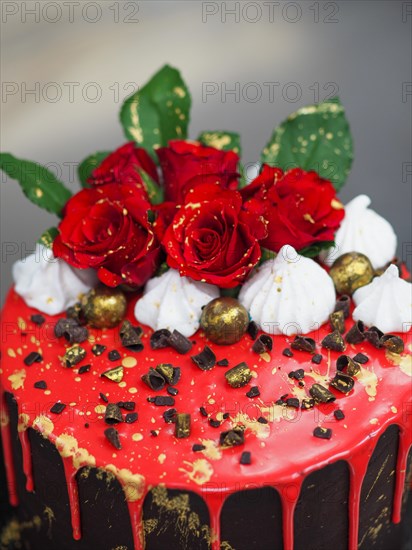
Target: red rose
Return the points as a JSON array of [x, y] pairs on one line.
[[122, 166], [301, 208], [187, 164], [212, 239], [107, 227]]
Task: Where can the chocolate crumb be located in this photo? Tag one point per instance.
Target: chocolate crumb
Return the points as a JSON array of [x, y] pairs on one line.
[[252, 330], [287, 352], [33, 357], [38, 319], [197, 448], [245, 458], [292, 402], [172, 391], [262, 420], [214, 423], [130, 418], [40, 385], [307, 403], [127, 405], [84, 368], [317, 358], [163, 401], [223, 363], [103, 397], [112, 436], [232, 438], [169, 416], [253, 392], [338, 414], [322, 433], [98, 349], [58, 408], [361, 358], [225, 416], [154, 433], [114, 355], [203, 412]]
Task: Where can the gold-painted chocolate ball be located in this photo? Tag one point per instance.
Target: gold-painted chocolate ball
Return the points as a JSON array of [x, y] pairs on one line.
[[104, 307], [224, 320], [351, 271]]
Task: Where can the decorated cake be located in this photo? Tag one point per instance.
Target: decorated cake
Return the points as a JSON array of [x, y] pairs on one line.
[[193, 360]]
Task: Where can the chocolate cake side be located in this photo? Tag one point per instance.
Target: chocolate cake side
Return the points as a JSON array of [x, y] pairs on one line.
[[250, 518]]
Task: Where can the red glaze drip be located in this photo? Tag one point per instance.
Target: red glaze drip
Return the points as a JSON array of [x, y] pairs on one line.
[[72, 489], [27, 462], [289, 497], [7, 450], [367, 415], [214, 503], [136, 521], [402, 459]]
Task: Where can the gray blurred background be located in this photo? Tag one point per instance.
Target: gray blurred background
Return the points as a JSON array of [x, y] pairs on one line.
[[80, 60]]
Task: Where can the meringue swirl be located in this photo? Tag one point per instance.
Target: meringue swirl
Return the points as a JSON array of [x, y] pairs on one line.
[[363, 230], [288, 295], [174, 302], [50, 284], [386, 302]]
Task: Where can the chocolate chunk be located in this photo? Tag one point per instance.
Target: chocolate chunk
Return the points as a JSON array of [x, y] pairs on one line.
[[33, 357], [170, 373], [130, 418], [182, 426], [342, 382], [112, 436], [154, 380], [114, 355], [153, 433], [245, 458], [392, 343], [253, 330], [307, 403], [356, 334], [40, 385], [203, 411], [169, 416], [301, 343], [287, 352], [214, 423], [298, 374], [317, 358], [262, 420], [76, 312], [343, 304], [263, 344], [160, 339], [103, 397], [223, 363], [226, 415], [321, 394], [130, 336], [334, 341], [253, 392], [163, 401], [113, 414], [232, 438], [38, 319], [322, 433], [98, 349], [196, 448], [238, 376], [205, 360], [338, 414], [373, 335], [179, 342], [172, 391], [292, 402], [74, 355], [127, 405], [337, 321], [346, 363], [71, 330], [58, 408], [115, 374], [361, 358], [84, 368]]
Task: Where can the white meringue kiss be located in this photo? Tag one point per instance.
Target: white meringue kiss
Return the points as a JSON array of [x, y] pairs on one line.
[[174, 302], [50, 284], [363, 230], [289, 295], [385, 303]]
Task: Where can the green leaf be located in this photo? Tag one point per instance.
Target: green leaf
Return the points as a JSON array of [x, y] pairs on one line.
[[159, 112], [224, 141], [314, 250], [87, 166], [317, 138], [48, 237], [154, 191], [37, 182], [266, 255]]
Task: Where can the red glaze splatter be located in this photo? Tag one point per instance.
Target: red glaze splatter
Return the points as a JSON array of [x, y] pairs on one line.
[[284, 451]]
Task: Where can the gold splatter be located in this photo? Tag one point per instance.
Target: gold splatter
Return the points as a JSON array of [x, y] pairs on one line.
[[404, 361], [199, 471], [161, 458], [137, 437], [262, 431], [17, 379], [47, 392], [370, 381], [68, 446], [133, 390], [129, 362], [23, 422], [374, 421], [11, 352], [133, 484], [212, 450], [21, 323], [44, 425], [122, 384], [394, 410], [265, 356], [100, 409]]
